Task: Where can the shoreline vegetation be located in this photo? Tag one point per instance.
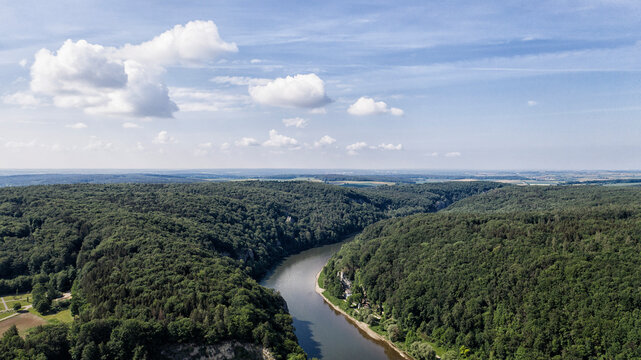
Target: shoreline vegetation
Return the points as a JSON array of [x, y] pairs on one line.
[[359, 324]]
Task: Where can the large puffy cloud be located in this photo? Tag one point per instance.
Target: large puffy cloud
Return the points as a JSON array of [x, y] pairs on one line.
[[368, 106], [124, 81], [194, 43], [304, 91], [76, 66]]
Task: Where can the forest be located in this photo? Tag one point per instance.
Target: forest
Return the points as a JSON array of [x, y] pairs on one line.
[[514, 273], [152, 265]]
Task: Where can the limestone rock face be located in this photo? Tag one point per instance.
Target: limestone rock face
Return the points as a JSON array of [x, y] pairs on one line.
[[226, 350]]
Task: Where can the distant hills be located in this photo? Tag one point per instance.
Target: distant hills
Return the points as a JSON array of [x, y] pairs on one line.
[[343, 177]]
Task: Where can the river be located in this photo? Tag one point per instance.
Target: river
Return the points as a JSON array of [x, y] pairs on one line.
[[322, 332]]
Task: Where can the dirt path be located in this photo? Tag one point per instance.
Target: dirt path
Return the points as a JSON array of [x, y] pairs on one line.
[[5, 304], [65, 296], [361, 325]]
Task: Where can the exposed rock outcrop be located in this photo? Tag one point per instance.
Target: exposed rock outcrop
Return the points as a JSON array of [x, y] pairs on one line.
[[226, 350]]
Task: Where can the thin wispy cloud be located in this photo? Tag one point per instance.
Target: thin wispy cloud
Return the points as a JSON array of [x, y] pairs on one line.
[[77, 126], [246, 141], [130, 125], [295, 122]]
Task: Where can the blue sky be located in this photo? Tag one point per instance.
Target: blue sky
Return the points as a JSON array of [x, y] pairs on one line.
[[333, 84]]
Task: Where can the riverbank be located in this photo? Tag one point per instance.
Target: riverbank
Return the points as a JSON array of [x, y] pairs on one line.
[[361, 325]]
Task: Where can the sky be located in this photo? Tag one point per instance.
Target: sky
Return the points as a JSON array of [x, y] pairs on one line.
[[492, 85]]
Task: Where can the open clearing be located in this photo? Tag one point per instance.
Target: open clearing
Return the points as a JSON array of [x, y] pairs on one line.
[[23, 322]]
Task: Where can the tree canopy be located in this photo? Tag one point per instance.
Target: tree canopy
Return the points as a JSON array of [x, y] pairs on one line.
[[151, 265], [514, 273]]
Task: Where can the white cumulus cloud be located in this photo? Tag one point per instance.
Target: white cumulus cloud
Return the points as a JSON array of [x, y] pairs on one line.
[[532, 103], [396, 111], [163, 137], [86, 76], [303, 91], [295, 122], [194, 43], [390, 147], [368, 106], [278, 140], [324, 141], [126, 80], [353, 149]]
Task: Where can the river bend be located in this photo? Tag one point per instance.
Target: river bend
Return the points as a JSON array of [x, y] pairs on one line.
[[322, 332]]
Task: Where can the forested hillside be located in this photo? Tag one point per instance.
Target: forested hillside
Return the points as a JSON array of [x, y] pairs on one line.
[[153, 265], [515, 273]]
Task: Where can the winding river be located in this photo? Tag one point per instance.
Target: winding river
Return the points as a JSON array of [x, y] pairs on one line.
[[322, 332]]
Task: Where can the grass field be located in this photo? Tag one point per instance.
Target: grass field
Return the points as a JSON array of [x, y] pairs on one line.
[[63, 316], [28, 318], [6, 314], [24, 300]]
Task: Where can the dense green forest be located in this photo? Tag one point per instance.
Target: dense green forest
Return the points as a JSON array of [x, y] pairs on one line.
[[151, 265], [515, 273]]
